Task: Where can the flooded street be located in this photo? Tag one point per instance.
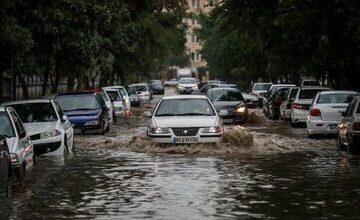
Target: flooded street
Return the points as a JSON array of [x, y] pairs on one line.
[[285, 175]]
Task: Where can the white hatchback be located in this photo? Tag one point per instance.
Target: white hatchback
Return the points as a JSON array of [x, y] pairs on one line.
[[185, 119], [117, 101], [49, 128], [124, 94], [325, 112]]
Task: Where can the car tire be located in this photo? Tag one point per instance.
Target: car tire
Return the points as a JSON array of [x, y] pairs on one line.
[[339, 145]]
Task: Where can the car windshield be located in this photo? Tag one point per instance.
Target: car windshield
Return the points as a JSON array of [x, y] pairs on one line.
[[335, 98], [311, 83], [131, 90], [6, 129], [141, 88], [36, 112], [188, 81], [185, 107], [78, 102], [155, 82], [308, 93], [225, 95], [114, 95], [262, 87], [123, 92], [104, 96]]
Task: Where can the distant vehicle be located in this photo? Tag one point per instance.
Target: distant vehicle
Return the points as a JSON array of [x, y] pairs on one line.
[[185, 120], [109, 105], [252, 101], [134, 98], [231, 101], [143, 92], [260, 89], [156, 87], [274, 98], [184, 73], [302, 103], [124, 95], [326, 112], [309, 82], [86, 111], [20, 147], [285, 107], [5, 166], [118, 102], [187, 85], [348, 130], [171, 82], [206, 88], [49, 129]]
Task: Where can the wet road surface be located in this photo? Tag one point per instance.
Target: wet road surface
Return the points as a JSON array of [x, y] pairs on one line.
[[288, 176]]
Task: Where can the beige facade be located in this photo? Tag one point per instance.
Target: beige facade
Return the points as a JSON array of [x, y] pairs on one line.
[[193, 45]]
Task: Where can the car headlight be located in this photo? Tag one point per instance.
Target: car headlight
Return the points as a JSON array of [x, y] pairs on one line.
[[49, 134], [195, 87], [160, 130], [241, 109], [95, 122], [180, 87], [215, 129]]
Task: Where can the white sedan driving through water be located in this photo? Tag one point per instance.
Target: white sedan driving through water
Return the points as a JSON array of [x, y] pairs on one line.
[[185, 119]]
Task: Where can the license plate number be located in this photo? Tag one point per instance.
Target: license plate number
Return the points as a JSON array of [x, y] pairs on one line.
[[185, 140], [77, 131]]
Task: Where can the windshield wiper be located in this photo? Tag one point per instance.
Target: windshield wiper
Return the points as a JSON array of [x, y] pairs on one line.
[[194, 113], [167, 114]]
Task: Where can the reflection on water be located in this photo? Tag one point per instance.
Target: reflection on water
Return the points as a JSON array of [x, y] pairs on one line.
[[105, 184]]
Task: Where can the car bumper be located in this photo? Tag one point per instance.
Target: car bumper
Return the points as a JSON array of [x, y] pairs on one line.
[[299, 116], [48, 145], [187, 90], [200, 138], [321, 127]]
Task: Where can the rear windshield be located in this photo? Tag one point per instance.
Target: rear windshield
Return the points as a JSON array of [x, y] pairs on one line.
[[335, 98], [308, 93], [225, 95], [78, 102], [6, 129], [262, 87], [114, 95], [36, 112], [184, 107]]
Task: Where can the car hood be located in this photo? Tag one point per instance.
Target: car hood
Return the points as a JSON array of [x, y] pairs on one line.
[[83, 113], [185, 121], [36, 128], [249, 97], [188, 85], [226, 105]]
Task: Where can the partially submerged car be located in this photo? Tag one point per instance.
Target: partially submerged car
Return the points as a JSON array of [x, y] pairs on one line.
[[185, 119], [143, 92], [18, 141], [86, 111], [187, 86], [156, 87], [274, 98], [124, 95], [231, 101], [260, 89], [117, 101]]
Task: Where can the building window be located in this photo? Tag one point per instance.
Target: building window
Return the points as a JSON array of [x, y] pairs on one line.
[[195, 3], [197, 56], [198, 3]]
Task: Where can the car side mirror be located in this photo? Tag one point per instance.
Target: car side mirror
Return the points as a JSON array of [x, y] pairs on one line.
[[223, 113], [344, 114], [147, 114], [64, 118]]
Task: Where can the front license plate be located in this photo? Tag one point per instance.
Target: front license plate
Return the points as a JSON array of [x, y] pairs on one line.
[[185, 140], [77, 131]]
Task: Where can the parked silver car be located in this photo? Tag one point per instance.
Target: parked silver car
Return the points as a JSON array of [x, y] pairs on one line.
[[185, 119], [348, 135], [20, 147], [325, 112], [285, 107], [49, 128]]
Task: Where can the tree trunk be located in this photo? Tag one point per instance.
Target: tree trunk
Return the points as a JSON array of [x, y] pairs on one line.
[[56, 82]]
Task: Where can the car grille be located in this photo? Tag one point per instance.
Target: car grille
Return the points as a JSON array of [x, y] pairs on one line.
[[185, 131]]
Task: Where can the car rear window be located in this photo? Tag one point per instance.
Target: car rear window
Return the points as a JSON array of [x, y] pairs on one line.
[[141, 88], [36, 112], [335, 98], [78, 102], [6, 129], [262, 87], [225, 95], [308, 93], [184, 107]]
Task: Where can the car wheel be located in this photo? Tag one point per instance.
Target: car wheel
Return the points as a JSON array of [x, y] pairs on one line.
[[339, 145]]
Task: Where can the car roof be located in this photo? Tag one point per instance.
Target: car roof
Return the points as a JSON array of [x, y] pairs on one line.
[[283, 85], [76, 94], [138, 84], [269, 83], [338, 91], [223, 88], [113, 87], [32, 101], [314, 87], [185, 97]]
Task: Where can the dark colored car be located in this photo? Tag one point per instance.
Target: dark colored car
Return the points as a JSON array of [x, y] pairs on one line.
[[156, 87], [86, 111], [5, 166], [274, 100]]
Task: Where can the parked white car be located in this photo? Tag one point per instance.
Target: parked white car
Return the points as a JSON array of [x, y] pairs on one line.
[[124, 95], [260, 89], [171, 82], [48, 127], [185, 119], [325, 112], [117, 101], [187, 85], [18, 141], [143, 92], [302, 102], [109, 105], [348, 135]]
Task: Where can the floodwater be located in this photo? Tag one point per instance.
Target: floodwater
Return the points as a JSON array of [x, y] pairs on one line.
[[284, 176]]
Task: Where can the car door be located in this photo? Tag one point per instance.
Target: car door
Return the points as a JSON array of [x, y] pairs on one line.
[[25, 146], [65, 123]]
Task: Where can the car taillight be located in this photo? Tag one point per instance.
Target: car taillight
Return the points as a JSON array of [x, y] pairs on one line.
[[296, 106], [356, 126], [277, 100], [315, 112]]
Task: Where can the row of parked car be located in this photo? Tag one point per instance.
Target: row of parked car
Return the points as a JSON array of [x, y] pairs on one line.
[[47, 126], [324, 111]]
